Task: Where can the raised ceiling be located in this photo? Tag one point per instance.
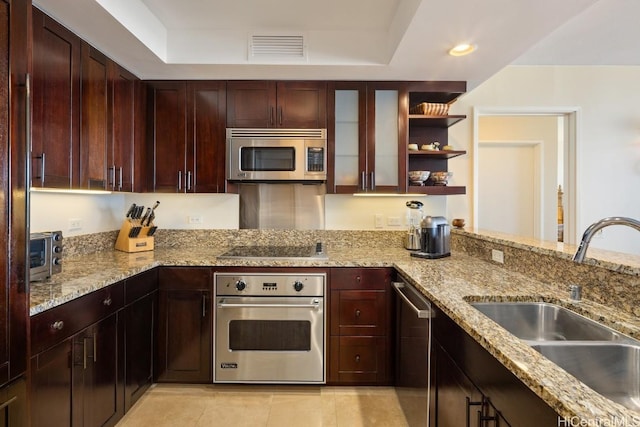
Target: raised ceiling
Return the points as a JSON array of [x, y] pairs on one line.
[[346, 39]]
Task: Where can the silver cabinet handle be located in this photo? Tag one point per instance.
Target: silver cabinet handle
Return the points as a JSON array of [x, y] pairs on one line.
[[84, 353], [179, 180], [421, 313], [271, 119], [8, 402], [57, 325], [204, 305], [188, 185], [95, 347], [107, 302], [112, 177], [372, 182], [120, 178], [363, 180], [281, 114]]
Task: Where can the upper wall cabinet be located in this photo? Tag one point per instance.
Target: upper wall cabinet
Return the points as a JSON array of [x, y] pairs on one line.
[[55, 146], [366, 138], [186, 136], [86, 114], [126, 131], [267, 104]]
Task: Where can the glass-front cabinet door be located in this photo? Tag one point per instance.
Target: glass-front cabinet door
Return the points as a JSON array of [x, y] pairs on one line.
[[367, 138]]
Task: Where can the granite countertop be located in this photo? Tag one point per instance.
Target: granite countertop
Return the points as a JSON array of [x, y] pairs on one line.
[[450, 283]]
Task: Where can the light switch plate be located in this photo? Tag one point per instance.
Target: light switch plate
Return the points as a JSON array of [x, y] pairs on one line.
[[497, 256]]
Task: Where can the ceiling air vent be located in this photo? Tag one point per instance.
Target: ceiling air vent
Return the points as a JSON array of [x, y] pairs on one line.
[[277, 47]]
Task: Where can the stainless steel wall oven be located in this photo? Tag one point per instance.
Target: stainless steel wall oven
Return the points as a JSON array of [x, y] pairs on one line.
[[269, 328]]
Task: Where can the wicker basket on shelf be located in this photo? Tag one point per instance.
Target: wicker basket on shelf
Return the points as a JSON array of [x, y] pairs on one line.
[[430, 109]]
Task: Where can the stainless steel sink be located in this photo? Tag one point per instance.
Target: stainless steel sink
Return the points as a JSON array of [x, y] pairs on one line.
[[539, 321], [613, 370]]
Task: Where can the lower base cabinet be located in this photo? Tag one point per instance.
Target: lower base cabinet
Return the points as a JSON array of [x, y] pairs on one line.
[[184, 325], [360, 316], [472, 388], [93, 356], [13, 404]]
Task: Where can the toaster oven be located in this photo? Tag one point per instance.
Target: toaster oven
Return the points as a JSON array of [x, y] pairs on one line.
[[45, 255]]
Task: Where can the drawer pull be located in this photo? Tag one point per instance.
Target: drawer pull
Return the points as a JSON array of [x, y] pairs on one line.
[[107, 302], [358, 278], [57, 325], [358, 312], [357, 358]]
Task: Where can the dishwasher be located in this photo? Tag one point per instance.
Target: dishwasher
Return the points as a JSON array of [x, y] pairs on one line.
[[413, 355]]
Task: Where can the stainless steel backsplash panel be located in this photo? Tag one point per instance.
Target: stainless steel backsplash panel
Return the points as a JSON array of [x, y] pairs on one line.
[[282, 206]]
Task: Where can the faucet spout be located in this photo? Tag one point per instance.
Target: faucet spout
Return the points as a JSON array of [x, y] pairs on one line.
[[599, 225]]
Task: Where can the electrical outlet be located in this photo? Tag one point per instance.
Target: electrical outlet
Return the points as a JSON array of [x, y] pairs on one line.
[[497, 256], [378, 220], [75, 224], [194, 219], [394, 220]]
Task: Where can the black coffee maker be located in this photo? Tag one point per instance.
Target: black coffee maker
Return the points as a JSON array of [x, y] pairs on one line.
[[435, 238]]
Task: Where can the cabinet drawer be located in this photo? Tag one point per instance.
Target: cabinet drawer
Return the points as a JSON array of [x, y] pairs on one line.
[[359, 313], [52, 326], [140, 285], [360, 278], [359, 359], [195, 278]]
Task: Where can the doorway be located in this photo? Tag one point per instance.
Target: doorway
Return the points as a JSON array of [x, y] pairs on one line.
[[522, 157]]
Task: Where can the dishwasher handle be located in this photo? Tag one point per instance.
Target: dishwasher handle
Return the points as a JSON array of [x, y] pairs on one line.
[[420, 313]]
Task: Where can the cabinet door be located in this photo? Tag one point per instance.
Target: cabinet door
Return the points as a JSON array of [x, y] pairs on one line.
[[184, 325], [56, 104], [123, 139], [206, 137], [347, 137], [386, 140], [51, 386], [458, 401], [359, 360], [166, 136], [97, 375], [139, 340], [94, 125], [251, 104], [301, 105], [13, 403]]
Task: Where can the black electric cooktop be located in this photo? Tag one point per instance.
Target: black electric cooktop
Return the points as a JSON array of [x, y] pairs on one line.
[[277, 252]]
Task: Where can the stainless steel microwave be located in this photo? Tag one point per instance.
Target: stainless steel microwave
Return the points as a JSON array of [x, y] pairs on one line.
[[276, 154]]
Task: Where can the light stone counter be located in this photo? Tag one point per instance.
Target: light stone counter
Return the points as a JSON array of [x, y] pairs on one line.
[[449, 283]]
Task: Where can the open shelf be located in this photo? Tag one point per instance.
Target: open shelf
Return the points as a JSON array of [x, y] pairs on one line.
[[437, 190], [438, 154], [435, 121]]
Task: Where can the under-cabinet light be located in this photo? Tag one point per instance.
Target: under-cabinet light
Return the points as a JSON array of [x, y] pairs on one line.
[[389, 195], [67, 191]]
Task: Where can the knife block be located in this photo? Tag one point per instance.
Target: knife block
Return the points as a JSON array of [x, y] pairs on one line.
[[140, 243]]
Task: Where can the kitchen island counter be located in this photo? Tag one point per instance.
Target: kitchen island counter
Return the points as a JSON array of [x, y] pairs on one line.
[[450, 283]]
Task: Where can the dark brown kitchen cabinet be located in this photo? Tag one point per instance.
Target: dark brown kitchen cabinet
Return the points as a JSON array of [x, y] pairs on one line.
[[360, 332], [269, 104], [94, 124], [184, 325], [472, 388], [15, 62], [141, 300], [186, 136], [125, 162], [97, 375], [55, 150], [51, 386], [77, 369], [366, 137]]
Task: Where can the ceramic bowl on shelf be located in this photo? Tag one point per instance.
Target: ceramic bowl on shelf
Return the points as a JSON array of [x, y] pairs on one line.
[[440, 178], [418, 177]]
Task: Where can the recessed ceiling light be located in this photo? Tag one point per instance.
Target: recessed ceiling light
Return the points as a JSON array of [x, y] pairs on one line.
[[462, 49]]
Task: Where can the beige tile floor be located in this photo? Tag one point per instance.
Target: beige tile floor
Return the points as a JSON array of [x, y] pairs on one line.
[[264, 405]]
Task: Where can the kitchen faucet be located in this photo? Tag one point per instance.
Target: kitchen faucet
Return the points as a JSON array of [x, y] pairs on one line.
[[599, 225]]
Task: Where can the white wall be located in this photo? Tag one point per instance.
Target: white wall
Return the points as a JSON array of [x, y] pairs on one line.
[[98, 213], [608, 146]]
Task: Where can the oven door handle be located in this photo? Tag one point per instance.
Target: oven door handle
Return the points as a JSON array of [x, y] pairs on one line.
[[223, 304]]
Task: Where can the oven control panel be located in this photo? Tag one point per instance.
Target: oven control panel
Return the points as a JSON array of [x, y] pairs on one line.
[[274, 284]]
